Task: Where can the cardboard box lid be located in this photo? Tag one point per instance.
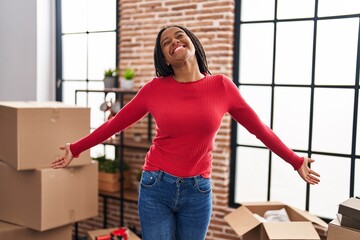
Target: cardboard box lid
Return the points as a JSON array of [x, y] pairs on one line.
[[290, 230], [36, 104], [350, 208]]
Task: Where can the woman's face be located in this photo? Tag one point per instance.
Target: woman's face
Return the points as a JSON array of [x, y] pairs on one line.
[[176, 46]]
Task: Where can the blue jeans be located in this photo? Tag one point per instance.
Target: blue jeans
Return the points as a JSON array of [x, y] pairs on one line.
[[174, 208]]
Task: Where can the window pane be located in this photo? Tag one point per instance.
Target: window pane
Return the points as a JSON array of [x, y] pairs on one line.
[[251, 164], [286, 185], [257, 10], [102, 54], [291, 116], [74, 15], [259, 98], [294, 47], [97, 116], [69, 91], [256, 53], [333, 114], [334, 186], [74, 57], [338, 7], [358, 131], [357, 178], [102, 15], [336, 51], [96, 85], [295, 9]]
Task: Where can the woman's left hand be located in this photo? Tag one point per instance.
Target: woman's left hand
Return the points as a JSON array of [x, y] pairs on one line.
[[307, 173]]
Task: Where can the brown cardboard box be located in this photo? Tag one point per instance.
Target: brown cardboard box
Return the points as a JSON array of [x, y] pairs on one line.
[[350, 208], [245, 224], [14, 232], [48, 198], [32, 132], [337, 232], [91, 235]]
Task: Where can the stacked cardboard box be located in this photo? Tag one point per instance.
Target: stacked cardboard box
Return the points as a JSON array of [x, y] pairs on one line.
[[347, 224], [246, 223], [38, 201]]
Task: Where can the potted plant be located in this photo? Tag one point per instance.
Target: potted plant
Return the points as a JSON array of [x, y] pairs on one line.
[[110, 77], [109, 175], [127, 81]]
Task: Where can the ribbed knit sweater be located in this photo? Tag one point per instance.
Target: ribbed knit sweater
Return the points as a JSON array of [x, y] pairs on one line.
[[188, 116]]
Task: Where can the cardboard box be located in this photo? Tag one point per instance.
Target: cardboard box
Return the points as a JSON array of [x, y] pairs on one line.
[[91, 235], [9, 231], [32, 132], [110, 182], [245, 224], [48, 198], [350, 208], [338, 232], [350, 222]]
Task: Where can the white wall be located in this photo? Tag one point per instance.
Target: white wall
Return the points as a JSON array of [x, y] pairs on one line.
[[27, 50]]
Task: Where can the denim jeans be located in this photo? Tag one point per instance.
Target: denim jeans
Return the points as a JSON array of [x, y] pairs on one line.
[[172, 208]]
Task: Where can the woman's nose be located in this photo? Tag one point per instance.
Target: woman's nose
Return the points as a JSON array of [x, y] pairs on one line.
[[175, 41]]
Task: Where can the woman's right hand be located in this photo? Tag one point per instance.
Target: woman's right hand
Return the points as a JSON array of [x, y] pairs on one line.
[[65, 159]]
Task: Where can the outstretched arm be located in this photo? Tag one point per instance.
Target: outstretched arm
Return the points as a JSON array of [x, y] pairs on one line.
[[246, 116], [128, 115]]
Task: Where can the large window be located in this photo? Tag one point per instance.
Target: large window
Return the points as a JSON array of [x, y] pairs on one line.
[[86, 47], [297, 64]]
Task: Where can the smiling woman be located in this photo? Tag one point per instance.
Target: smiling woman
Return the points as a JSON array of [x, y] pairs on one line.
[[188, 104]]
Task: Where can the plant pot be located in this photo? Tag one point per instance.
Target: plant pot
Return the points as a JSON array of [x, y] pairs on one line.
[[109, 82], [110, 182], [127, 84]]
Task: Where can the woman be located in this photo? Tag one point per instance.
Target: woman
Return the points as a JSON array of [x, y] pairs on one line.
[[188, 104]]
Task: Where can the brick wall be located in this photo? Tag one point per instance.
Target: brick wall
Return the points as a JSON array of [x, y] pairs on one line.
[[212, 22]]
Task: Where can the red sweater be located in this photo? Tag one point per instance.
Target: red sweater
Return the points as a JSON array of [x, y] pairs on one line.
[[188, 116]]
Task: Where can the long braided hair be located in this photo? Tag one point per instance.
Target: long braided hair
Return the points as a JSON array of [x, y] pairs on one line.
[[163, 70]]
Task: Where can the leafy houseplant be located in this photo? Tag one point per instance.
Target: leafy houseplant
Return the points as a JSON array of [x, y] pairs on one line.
[[127, 79], [110, 77], [109, 175]]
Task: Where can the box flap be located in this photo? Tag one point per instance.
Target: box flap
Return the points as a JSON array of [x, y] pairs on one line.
[[242, 220], [36, 104], [310, 217], [290, 230]]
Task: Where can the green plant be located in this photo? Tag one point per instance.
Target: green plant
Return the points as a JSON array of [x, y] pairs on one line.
[[111, 72], [129, 73], [110, 166]]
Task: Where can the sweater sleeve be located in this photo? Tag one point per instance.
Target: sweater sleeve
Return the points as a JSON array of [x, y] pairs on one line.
[[246, 116], [133, 111]]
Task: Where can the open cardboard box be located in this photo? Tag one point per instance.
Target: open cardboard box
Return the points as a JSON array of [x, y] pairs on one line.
[[245, 224]]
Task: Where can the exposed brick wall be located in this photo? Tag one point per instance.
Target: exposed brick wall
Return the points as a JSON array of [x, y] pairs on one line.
[[212, 22]]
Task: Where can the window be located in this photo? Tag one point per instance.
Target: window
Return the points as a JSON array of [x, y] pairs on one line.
[[86, 47], [297, 64]]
